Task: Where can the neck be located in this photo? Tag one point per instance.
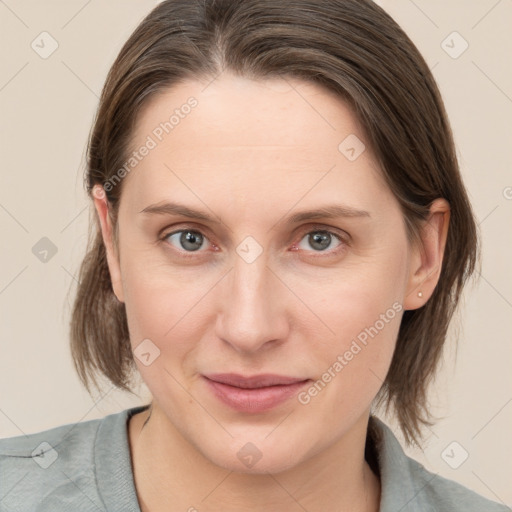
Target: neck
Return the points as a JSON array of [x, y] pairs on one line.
[[172, 474]]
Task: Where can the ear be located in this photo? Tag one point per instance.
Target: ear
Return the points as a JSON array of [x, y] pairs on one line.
[[102, 208], [427, 256]]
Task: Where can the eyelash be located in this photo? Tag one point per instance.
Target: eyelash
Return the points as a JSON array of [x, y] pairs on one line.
[[343, 241]]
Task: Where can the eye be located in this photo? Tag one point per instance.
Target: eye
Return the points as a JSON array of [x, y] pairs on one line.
[[320, 241], [187, 239]]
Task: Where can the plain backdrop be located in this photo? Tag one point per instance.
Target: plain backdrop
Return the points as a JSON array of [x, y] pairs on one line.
[[47, 107]]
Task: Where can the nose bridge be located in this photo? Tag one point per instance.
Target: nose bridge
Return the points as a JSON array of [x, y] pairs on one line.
[[251, 313]]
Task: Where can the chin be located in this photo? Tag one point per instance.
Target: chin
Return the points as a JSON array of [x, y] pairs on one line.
[[255, 458]]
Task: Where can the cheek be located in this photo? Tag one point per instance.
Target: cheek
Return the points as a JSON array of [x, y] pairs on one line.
[[163, 317], [159, 300], [365, 329], [360, 311], [352, 368], [353, 296]]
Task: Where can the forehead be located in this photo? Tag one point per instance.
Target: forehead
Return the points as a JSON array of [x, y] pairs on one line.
[[279, 114], [240, 135]]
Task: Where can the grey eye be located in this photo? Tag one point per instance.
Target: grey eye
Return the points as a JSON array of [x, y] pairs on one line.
[[318, 240], [187, 240]]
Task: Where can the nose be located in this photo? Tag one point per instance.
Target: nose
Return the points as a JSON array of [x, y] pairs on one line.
[[252, 312]]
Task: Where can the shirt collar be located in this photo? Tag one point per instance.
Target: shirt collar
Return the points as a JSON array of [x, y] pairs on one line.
[[113, 463], [399, 490], [400, 478]]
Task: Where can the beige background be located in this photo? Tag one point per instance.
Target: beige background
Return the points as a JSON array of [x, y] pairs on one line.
[[47, 106]]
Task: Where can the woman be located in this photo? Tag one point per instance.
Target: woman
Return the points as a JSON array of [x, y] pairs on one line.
[[282, 235]]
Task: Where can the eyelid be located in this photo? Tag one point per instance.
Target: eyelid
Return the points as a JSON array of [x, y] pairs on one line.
[[178, 227], [342, 236], [313, 228], [167, 232]]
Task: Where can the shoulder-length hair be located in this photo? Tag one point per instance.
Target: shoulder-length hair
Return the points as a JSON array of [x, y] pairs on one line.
[[351, 47]]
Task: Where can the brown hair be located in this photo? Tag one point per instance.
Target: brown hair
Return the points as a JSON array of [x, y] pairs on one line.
[[351, 47]]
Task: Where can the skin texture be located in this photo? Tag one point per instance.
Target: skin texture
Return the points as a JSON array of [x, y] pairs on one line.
[[250, 154]]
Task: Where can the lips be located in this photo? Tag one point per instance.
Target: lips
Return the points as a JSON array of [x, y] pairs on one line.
[[257, 381], [253, 394]]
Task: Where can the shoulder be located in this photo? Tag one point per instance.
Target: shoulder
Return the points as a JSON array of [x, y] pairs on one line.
[[408, 486], [444, 494], [44, 466], [57, 469]]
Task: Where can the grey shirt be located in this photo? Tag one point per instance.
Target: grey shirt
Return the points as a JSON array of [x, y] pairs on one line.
[[86, 466]]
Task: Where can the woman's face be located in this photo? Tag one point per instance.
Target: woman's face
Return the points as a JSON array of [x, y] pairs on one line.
[[282, 251]]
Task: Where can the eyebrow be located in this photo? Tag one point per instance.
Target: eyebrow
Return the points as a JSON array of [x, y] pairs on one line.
[[325, 212], [169, 208]]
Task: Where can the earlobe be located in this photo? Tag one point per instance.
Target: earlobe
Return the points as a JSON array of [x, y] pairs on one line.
[[427, 256], [102, 209]]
